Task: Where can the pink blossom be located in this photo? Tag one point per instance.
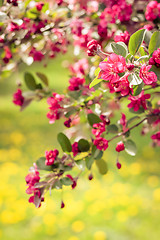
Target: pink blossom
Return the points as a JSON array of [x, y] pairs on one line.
[[124, 12], [122, 37], [137, 101], [39, 6], [98, 129], [18, 99], [79, 68], [155, 59], [101, 143], [75, 83], [12, 27], [120, 146], [156, 138], [8, 54], [37, 55], [75, 148], [152, 10], [122, 86], [109, 69], [56, 110], [123, 122], [51, 156], [147, 77]]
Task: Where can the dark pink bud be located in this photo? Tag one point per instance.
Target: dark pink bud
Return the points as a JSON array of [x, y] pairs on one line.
[[151, 61], [93, 47], [62, 204], [118, 165], [120, 147], [67, 123], [130, 66], [90, 177]]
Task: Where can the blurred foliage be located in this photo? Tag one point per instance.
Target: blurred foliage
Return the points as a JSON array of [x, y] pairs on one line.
[[122, 205]]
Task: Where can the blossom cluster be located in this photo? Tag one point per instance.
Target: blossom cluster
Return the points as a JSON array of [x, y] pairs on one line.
[[123, 56]]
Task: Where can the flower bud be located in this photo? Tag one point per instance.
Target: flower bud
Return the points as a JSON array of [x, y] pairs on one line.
[[62, 204], [118, 165], [93, 47], [90, 177], [120, 147]]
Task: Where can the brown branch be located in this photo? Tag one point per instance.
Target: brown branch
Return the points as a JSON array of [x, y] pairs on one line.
[[123, 133]]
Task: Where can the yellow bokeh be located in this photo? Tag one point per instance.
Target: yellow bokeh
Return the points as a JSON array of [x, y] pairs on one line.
[[100, 235], [78, 226], [156, 194]]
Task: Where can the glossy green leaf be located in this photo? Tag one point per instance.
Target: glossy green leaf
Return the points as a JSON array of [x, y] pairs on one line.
[[95, 82], [134, 79], [93, 118], [30, 81], [41, 164], [96, 153], [64, 142], [102, 166], [112, 128], [83, 145], [81, 164], [66, 181], [89, 162], [1, 2], [135, 41], [154, 42], [43, 78], [130, 147], [120, 48], [137, 89], [132, 119]]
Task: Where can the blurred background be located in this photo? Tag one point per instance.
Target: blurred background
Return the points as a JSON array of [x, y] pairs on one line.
[[122, 205]]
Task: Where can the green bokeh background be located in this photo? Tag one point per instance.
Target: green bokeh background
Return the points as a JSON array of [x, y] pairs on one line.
[[122, 205]]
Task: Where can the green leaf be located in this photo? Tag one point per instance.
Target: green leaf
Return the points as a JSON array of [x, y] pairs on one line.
[[134, 79], [135, 41], [83, 145], [41, 164], [143, 59], [57, 185], [96, 153], [1, 2], [75, 94], [30, 81], [89, 162], [81, 164], [112, 128], [43, 78], [130, 147], [137, 89], [120, 48], [97, 71], [147, 37], [102, 166], [66, 181], [132, 119], [142, 52], [95, 82], [154, 42], [141, 110], [93, 118], [64, 142]]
